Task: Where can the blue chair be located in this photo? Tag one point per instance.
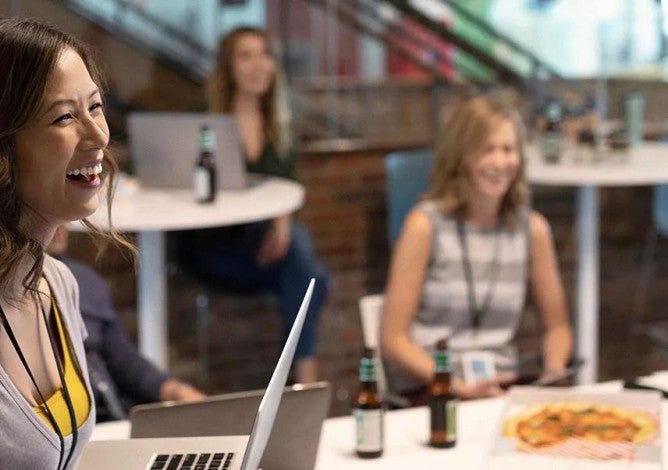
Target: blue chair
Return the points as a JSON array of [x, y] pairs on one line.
[[656, 331], [660, 209], [407, 176]]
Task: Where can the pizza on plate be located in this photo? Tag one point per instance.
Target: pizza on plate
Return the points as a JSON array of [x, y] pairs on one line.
[[549, 424]]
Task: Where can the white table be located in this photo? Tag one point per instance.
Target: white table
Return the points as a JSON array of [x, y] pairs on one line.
[[152, 212], [645, 165], [406, 433]]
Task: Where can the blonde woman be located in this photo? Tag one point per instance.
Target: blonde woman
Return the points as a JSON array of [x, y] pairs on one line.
[[461, 263], [275, 255]]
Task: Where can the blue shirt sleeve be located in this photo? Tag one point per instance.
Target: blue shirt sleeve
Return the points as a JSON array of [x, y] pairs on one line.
[[136, 379]]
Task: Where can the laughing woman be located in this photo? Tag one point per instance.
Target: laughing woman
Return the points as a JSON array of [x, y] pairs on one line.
[[53, 137], [464, 256]]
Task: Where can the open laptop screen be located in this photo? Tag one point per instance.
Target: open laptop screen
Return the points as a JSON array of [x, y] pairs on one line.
[[294, 439], [165, 146]]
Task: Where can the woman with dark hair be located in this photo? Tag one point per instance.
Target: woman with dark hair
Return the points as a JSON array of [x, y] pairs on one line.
[[53, 163], [462, 261], [275, 255]]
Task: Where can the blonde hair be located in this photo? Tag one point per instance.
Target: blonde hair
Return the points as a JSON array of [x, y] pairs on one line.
[[221, 89], [464, 135]]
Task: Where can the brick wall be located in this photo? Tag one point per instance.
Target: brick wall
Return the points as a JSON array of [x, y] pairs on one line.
[[345, 210]]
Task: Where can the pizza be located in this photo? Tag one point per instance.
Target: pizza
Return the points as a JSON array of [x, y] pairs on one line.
[[579, 425]]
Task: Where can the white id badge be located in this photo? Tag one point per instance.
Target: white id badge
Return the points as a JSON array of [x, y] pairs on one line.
[[478, 366]]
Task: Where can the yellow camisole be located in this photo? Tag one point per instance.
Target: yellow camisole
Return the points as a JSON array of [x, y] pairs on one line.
[[75, 386]]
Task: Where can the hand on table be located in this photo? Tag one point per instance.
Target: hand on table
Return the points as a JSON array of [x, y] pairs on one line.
[[558, 377], [176, 390], [483, 389], [276, 242]]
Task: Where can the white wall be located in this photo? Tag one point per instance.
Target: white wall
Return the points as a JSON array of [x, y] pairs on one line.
[[584, 37]]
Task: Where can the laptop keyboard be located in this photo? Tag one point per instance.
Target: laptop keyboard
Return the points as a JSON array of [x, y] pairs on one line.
[[203, 461]]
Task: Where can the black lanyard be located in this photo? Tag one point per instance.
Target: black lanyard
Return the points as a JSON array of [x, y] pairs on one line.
[[477, 313], [68, 400]]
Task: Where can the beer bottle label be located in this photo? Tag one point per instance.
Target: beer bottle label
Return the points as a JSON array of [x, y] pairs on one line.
[[551, 146], [451, 420], [444, 417], [202, 183], [369, 434]]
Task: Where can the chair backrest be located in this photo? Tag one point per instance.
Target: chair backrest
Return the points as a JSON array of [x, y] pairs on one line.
[[660, 209], [371, 312], [407, 176]]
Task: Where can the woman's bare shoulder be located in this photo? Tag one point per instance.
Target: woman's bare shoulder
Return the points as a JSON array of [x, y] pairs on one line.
[[418, 223]]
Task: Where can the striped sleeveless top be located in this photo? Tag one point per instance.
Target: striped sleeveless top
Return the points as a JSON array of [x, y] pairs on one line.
[[444, 309]]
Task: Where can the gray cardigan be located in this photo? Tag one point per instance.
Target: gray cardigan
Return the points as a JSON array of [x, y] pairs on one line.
[[26, 441]]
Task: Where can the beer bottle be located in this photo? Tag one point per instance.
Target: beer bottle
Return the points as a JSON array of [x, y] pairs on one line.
[[442, 400], [551, 139], [204, 175], [368, 410]]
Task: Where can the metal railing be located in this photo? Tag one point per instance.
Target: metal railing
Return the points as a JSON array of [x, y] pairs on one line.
[[342, 114], [144, 30]]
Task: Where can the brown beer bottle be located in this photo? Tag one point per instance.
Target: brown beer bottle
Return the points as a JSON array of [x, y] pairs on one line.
[[442, 400], [551, 138], [368, 410]]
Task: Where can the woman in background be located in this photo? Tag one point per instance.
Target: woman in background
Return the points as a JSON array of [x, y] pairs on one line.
[[53, 160], [461, 264], [277, 254]]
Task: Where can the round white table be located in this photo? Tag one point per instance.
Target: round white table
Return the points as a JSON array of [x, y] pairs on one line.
[[152, 212], [644, 165]]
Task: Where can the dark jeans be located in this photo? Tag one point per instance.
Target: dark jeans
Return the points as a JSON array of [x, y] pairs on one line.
[[227, 257]]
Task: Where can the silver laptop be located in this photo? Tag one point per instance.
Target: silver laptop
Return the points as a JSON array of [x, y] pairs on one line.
[[293, 444], [164, 147], [220, 452]]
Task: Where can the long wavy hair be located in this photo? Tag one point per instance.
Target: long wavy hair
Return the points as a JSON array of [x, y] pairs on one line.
[[221, 89], [464, 136], [29, 51]]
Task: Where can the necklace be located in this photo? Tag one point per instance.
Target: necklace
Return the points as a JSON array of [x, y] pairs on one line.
[[44, 406], [478, 312]]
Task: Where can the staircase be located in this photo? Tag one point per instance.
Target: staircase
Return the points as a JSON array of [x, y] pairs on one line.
[[171, 52]]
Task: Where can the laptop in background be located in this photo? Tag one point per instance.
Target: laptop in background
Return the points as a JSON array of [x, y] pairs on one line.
[[293, 444], [165, 146], [213, 453]]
